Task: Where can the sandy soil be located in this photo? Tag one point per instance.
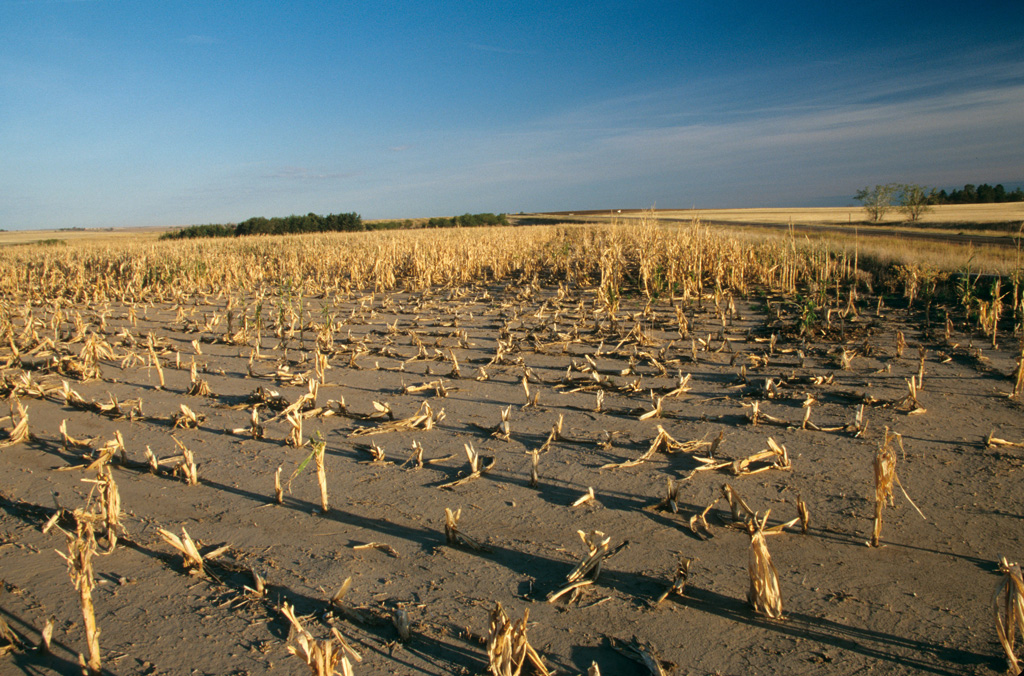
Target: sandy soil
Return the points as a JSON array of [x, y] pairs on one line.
[[921, 603]]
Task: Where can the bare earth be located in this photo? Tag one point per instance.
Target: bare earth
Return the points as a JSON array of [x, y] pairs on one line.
[[921, 603]]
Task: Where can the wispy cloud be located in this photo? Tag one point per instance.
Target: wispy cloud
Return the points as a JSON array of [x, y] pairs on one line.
[[668, 148]]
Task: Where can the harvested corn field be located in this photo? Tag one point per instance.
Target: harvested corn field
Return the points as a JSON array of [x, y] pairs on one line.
[[565, 449]]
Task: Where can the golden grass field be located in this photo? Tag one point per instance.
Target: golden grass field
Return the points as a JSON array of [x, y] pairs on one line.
[[943, 214], [607, 448]]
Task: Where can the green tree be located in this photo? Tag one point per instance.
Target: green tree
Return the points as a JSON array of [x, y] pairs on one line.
[[915, 200], [878, 200]]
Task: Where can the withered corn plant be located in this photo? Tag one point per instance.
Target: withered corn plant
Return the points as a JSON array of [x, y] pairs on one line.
[[19, 431], [319, 450], [81, 548], [885, 480], [1008, 604], [508, 649], [323, 657], [764, 595]]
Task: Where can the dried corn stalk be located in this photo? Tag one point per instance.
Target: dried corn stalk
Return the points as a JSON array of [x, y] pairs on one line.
[[416, 457], [198, 387], [424, 419], [508, 649], [319, 450], [585, 498], [13, 641], [665, 443], [188, 468], [598, 549], [186, 418], [70, 441], [805, 515], [1008, 604], [19, 432], [109, 506], [678, 585], [294, 438], [992, 441], [155, 359], [323, 657], [757, 417], [642, 653], [776, 453], [885, 479], [456, 537], [764, 595], [656, 412], [478, 465], [503, 430], [81, 548], [107, 451], [191, 557], [909, 403], [534, 468], [255, 429], [1018, 377], [741, 512], [671, 500]]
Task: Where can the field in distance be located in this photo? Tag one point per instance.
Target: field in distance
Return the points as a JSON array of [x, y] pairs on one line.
[[946, 214], [67, 236]]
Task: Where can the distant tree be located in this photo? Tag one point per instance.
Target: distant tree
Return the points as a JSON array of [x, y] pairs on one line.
[[915, 200], [878, 200], [986, 193]]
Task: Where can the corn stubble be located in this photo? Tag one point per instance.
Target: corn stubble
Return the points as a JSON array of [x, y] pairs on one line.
[[508, 648], [323, 657]]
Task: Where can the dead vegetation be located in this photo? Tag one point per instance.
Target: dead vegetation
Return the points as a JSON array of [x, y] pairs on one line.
[[618, 341]]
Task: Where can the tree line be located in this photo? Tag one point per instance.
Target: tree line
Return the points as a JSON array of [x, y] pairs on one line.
[[914, 200], [350, 222], [983, 194]]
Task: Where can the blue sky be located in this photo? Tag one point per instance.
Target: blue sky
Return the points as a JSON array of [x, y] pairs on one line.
[[165, 112]]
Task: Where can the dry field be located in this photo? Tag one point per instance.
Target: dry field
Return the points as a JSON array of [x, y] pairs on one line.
[[566, 449], [946, 214], [78, 236], [939, 215]]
